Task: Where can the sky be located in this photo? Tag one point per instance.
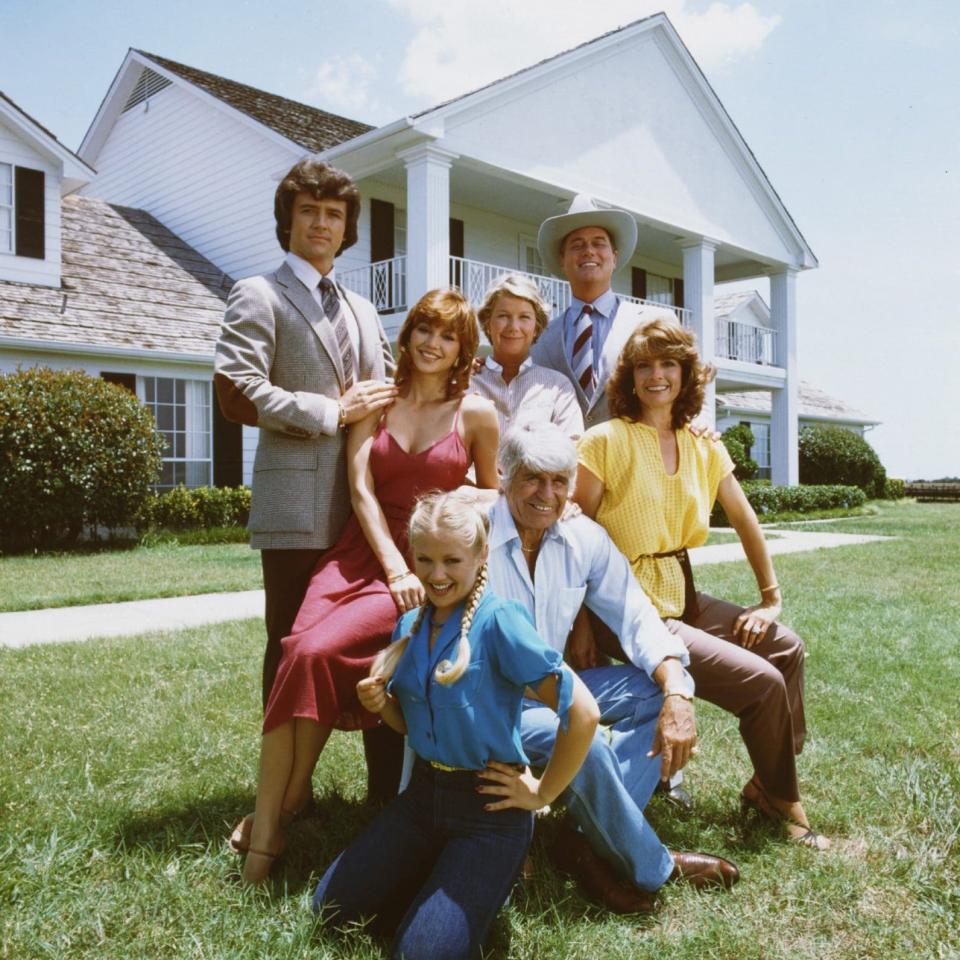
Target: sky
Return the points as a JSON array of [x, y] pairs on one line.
[[852, 108]]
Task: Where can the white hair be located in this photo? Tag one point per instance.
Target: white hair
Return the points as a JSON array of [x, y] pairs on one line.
[[539, 448]]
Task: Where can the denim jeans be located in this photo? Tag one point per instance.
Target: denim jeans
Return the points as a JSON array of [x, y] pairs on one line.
[[608, 795], [435, 859]]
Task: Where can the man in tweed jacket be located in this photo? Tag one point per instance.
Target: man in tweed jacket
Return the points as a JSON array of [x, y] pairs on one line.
[[301, 365]]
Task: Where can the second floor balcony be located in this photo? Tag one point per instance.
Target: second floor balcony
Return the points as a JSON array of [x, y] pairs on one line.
[[384, 283]]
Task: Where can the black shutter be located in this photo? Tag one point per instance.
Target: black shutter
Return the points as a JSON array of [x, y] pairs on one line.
[[128, 380], [638, 282], [28, 203], [381, 230], [456, 250], [456, 237], [678, 292], [227, 451]]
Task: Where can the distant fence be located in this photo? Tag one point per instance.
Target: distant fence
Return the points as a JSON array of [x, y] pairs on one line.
[[930, 492]]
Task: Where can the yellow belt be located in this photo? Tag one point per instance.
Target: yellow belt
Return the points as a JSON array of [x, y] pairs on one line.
[[442, 766]]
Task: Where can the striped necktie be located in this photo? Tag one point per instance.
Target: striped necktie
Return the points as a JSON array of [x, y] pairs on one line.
[[334, 312], [582, 356]]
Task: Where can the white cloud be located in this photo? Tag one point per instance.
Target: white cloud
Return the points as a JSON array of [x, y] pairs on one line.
[[345, 85], [460, 45]]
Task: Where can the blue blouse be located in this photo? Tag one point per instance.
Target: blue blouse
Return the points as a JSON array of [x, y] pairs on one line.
[[477, 718]]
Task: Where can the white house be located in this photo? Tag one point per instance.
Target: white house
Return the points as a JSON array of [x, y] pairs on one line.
[[456, 193], [742, 327], [109, 290]]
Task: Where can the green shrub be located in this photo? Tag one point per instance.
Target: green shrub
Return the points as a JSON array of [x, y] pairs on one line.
[[739, 440], [75, 452], [768, 500], [196, 508], [894, 489], [834, 455]]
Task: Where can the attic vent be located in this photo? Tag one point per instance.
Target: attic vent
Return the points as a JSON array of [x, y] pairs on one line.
[[148, 84]]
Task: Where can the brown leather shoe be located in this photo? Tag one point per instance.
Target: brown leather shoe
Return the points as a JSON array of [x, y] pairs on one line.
[[701, 870], [573, 855]]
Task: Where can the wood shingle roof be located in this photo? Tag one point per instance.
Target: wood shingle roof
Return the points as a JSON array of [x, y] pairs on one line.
[[312, 128], [127, 283]]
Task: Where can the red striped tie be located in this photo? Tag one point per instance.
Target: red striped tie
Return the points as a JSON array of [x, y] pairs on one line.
[[583, 350]]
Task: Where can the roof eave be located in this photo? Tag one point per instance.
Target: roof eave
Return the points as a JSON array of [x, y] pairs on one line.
[[73, 168]]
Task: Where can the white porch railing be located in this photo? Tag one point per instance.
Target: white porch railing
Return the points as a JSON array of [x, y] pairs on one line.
[[383, 283], [743, 341]]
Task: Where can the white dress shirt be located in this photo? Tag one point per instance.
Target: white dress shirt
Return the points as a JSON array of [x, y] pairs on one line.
[[579, 564]]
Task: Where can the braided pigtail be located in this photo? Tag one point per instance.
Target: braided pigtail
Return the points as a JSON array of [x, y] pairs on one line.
[[385, 662], [447, 672]]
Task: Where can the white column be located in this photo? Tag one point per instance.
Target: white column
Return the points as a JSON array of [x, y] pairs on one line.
[[698, 269], [784, 458], [428, 218]]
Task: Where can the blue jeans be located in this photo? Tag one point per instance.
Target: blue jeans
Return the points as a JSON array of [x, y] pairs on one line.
[[435, 859], [608, 795]]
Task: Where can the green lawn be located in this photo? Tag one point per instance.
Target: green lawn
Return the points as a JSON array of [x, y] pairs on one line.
[[126, 762], [109, 575]]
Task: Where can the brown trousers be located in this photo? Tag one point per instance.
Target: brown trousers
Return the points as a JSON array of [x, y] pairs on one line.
[[762, 687], [286, 575]]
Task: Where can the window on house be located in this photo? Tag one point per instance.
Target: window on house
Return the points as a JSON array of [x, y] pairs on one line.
[[21, 211], [760, 451], [530, 261], [659, 289], [6, 208], [182, 409], [399, 232]]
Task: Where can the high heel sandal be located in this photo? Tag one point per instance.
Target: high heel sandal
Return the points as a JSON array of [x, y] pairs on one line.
[[240, 838], [270, 861], [760, 804]]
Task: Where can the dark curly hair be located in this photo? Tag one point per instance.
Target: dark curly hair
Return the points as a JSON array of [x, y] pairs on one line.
[[654, 340], [322, 182], [448, 309]]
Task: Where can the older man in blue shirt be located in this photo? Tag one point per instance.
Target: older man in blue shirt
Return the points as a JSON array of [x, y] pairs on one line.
[[552, 568]]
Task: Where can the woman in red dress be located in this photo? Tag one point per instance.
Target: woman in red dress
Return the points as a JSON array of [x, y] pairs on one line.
[[427, 440]]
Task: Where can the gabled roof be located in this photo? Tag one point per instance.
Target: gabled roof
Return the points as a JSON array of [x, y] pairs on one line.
[[656, 22], [727, 304], [128, 284], [75, 170], [314, 129], [814, 404]]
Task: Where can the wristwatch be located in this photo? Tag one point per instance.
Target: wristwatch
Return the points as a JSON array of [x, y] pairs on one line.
[[683, 688]]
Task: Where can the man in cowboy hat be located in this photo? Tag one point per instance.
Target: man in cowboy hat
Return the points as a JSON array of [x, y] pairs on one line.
[[586, 246]]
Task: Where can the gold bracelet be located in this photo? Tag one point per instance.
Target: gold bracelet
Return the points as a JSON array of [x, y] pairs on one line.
[[341, 417], [773, 586], [398, 576]]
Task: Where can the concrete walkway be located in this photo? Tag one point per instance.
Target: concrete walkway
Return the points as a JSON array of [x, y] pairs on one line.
[[29, 627]]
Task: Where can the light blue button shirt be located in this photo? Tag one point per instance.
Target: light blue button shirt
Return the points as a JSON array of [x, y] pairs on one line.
[[578, 563], [476, 718]]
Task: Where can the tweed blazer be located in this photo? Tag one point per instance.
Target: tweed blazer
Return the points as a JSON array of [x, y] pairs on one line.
[[277, 366], [551, 351]]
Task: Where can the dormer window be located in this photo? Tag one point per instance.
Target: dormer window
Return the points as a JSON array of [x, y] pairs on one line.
[[21, 211]]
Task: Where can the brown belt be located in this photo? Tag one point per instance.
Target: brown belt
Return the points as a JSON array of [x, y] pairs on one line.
[[690, 608]]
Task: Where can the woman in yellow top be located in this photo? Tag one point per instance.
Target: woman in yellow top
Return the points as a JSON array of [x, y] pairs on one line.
[[652, 484]]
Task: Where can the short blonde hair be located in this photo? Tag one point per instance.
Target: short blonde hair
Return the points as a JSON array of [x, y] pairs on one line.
[[521, 287], [455, 514]]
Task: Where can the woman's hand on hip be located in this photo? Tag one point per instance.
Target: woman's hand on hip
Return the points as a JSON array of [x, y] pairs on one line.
[[752, 625], [518, 788]]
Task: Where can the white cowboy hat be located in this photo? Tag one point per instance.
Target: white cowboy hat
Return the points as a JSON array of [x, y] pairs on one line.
[[584, 212]]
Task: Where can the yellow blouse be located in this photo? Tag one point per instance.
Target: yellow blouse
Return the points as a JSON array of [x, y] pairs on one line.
[[644, 510]]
